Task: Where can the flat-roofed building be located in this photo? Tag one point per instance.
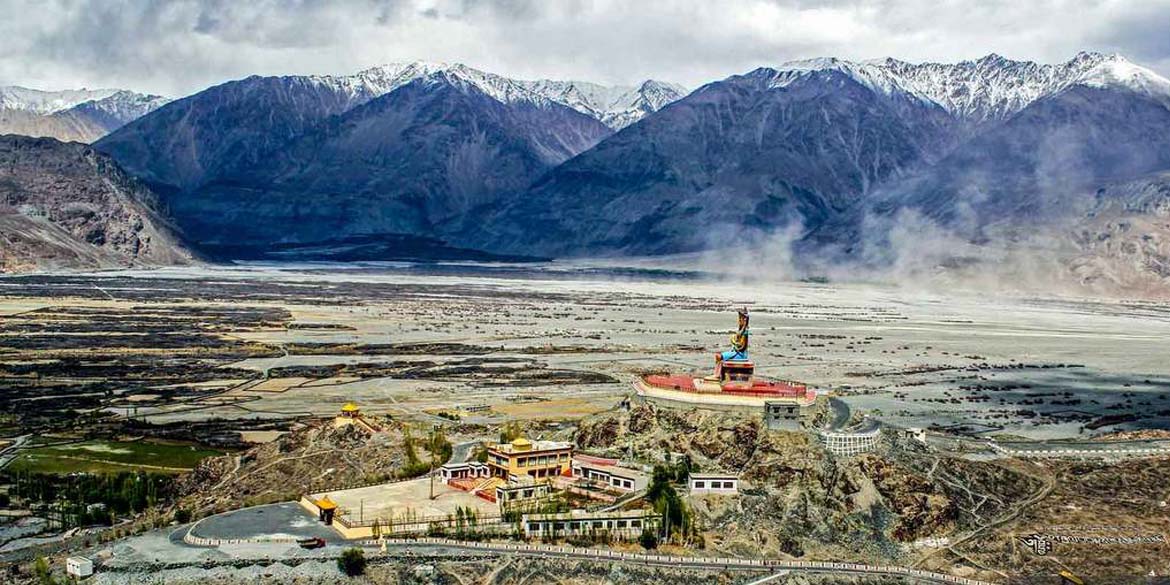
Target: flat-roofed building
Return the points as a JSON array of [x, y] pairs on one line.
[[469, 470], [713, 483], [783, 415], [78, 567], [539, 460], [614, 476], [522, 494], [627, 524]]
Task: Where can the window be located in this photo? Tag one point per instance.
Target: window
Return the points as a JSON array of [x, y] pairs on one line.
[[635, 523], [621, 523], [700, 484], [533, 527]]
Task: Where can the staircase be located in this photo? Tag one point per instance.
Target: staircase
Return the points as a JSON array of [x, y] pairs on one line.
[[486, 489]]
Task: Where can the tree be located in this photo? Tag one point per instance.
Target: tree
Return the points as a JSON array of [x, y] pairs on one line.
[[440, 448], [648, 540], [44, 575], [510, 432], [352, 562], [413, 467], [666, 501]]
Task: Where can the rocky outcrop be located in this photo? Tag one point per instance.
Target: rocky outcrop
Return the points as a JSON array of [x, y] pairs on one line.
[[312, 458], [64, 205]]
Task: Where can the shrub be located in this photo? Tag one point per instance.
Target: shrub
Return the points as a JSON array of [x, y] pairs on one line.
[[182, 515], [352, 562], [648, 540]]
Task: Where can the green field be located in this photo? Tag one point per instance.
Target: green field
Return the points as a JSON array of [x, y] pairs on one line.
[[111, 456]]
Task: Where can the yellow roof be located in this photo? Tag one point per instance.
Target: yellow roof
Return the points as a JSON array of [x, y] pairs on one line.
[[326, 504], [349, 407], [521, 443]]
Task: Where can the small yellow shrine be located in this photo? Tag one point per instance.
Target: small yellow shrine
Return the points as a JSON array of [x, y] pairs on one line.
[[350, 413]]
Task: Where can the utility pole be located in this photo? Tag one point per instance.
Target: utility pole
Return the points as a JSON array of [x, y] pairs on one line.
[[431, 450], [666, 520]]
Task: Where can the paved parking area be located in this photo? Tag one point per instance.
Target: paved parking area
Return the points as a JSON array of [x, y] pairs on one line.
[[403, 499], [287, 520]]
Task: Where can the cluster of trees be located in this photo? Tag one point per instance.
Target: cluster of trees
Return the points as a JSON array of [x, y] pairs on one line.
[[89, 499], [595, 536], [680, 470], [510, 432], [549, 505], [436, 444], [677, 521], [463, 525]]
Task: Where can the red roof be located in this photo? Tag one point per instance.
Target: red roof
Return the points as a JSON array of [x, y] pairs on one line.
[[594, 460], [756, 388]]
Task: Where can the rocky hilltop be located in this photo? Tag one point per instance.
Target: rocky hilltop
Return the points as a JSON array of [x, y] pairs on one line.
[[307, 458], [803, 502], [64, 205]]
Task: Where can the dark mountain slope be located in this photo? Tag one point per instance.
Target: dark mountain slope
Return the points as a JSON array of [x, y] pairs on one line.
[[223, 129], [412, 162], [1043, 167], [749, 154]]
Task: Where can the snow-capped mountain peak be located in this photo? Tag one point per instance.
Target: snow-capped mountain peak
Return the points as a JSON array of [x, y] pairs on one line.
[[614, 106], [877, 76], [991, 87], [386, 78], [48, 102], [123, 105], [1117, 71]]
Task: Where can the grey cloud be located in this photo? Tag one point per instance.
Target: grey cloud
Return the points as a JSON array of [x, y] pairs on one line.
[[182, 46], [1143, 34]]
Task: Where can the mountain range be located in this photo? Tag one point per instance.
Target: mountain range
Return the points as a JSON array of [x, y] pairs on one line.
[[840, 162], [398, 150], [72, 115]]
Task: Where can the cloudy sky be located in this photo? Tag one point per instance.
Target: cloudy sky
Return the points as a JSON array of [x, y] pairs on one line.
[[182, 46]]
